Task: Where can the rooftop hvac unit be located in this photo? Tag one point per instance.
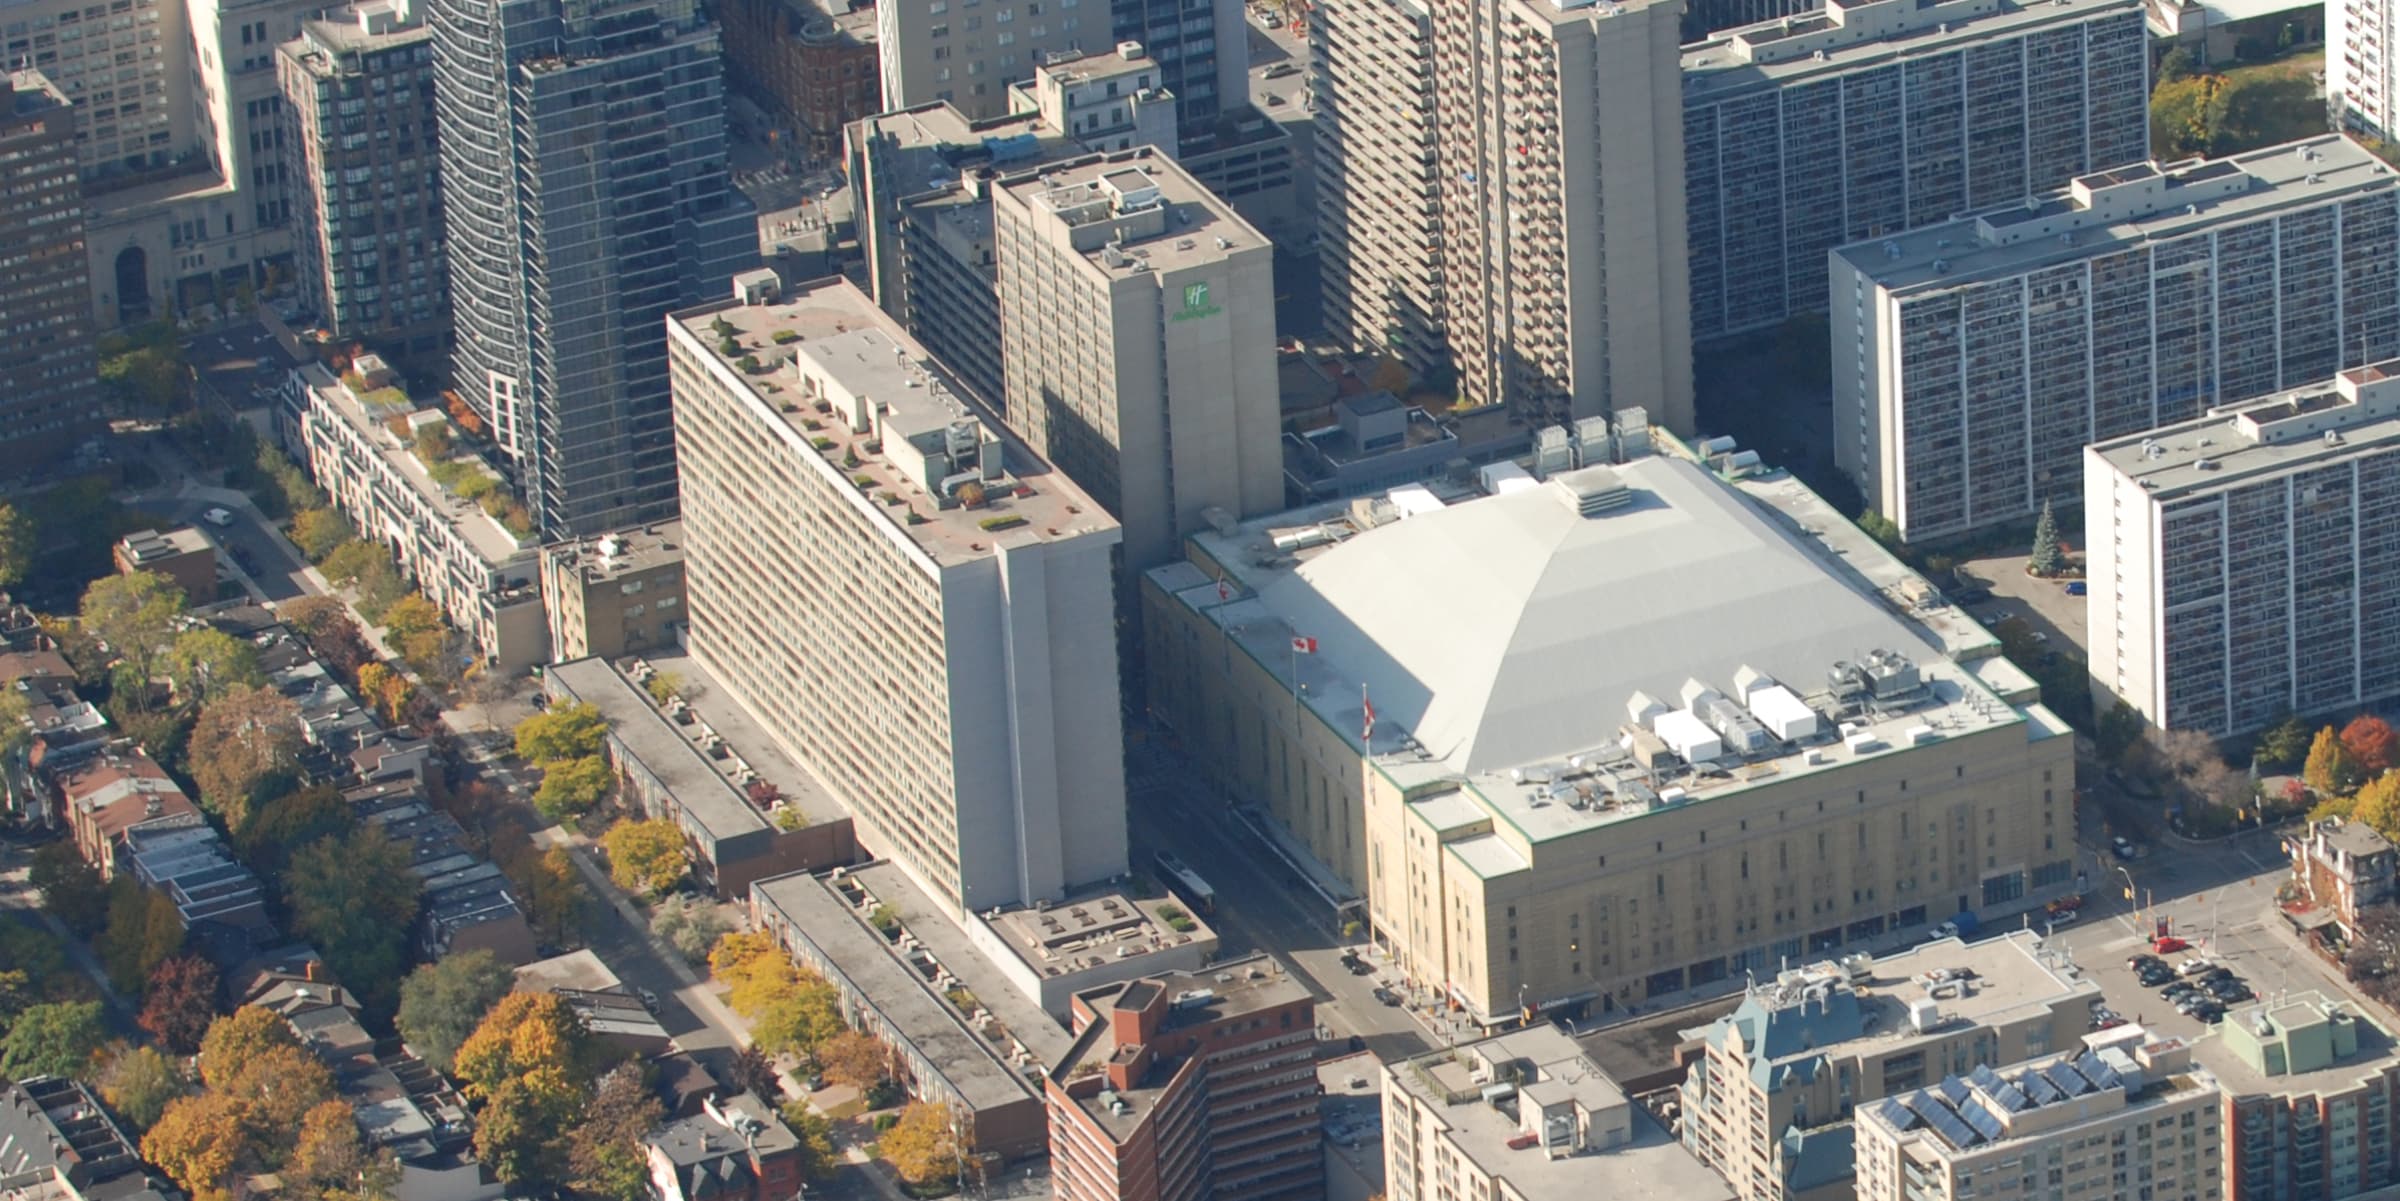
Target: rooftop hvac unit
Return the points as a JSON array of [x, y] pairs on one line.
[[1644, 709], [1747, 680], [1924, 1014], [1688, 736], [1890, 673], [1740, 731], [1783, 712], [1719, 445], [1551, 453]]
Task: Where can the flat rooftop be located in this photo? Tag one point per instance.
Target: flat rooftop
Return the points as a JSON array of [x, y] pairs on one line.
[[369, 416], [577, 970], [1589, 630], [2156, 205], [1982, 1110], [943, 941], [1981, 983], [972, 1067], [830, 328], [1094, 931], [353, 28], [1193, 226], [1842, 38], [31, 92], [620, 553], [1222, 992], [930, 149], [2355, 414], [1652, 1165], [673, 751]]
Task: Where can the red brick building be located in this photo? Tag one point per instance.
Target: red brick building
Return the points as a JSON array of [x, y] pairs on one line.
[[1189, 1085], [813, 62], [732, 1150], [118, 789]]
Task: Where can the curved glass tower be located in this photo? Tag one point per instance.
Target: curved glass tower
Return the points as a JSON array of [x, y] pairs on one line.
[[587, 142]]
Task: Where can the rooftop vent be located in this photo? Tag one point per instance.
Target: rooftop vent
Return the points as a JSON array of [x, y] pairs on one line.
[[1593, 490]]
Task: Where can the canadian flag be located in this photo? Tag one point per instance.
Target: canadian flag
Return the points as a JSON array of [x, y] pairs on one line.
[[1304, 646], [1224, 590], [1369, 735]]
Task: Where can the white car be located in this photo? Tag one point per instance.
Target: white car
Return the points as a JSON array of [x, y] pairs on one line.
[[219, 517]]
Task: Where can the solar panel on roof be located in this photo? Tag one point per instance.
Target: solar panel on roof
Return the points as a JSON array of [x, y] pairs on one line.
[[1985, 1076], [1943, 1121], [2007, 1096], [1953, 1089], [2038, 1087], [2097, 1070], [2066, 1079], [1900, 1116], [1983, 1121]]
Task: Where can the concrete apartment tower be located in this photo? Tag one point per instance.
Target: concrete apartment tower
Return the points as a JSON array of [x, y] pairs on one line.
[[1378, 195], [585, 197], [364, 184], [2362, 64], [52, 398], [1558, 155], [968, 52], [1137, 335], [915, 606]]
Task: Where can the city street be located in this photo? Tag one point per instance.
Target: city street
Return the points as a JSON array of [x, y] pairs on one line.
[[1259, 904]]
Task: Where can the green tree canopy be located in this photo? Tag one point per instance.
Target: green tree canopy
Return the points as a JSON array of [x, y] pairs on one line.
[[317, 532], [571, 787], [354, 898], [2047, 559], [645, 856], [442, 1002], [58, 1039], [17, 536], [135, 614], [206, 663], [563, 732]]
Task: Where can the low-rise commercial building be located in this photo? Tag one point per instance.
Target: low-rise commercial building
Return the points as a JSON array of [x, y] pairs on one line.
[[2135, 1116], [358, 436], [909, 601], [1661, 729], [183, 555], [1768, 1099], [1189, 1085], [746, 813], [1526, 1116], [2246, 564], [1983, 353], [618, 594]]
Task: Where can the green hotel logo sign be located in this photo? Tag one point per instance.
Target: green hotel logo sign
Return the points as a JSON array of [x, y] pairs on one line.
[[1195, 303]]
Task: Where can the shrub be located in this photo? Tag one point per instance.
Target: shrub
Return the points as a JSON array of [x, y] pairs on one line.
[[784, 337], [863, 480], [1007, 522], [821, 443]]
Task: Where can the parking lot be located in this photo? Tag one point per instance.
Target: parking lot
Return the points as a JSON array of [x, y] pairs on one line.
[[2057, 616], [2263, 962]]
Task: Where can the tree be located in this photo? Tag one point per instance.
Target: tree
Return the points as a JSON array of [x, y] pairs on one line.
[[524, 1034], [689, 926], [2178, 64], [2184, 114], [353, 563], [243, 1036], [325, 623], [277, 1088], [750, 1071], [552, 892], [644, 856], [58, 1039], [205, 663], [144, 927], [141, 369], [2330, 769], [411, 614], [2371, 743], [2282, 746], [318, 532], [242, 738], [70, 888], [854, 1059], [17, 544], [354, 898], [800, 1020], [815, 1132], [520, 1132], [2047, 559], [571, 787], [664, 686], [15, 734], [921, 1145], [442, 1002], [135, 614], [275, 828], [605, 1158], [385, 689], [180, 1003], [198, 1141], [563, 732], [438, 655], [139, 1082], [2377, 806], [2118, 731], [329, 1160], [1879, 527]]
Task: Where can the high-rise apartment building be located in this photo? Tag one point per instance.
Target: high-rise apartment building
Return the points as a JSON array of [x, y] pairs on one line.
[[1660, 760], [1137, 339], [1805, 1052], [1526, 1115], [1974, 359], [237, 105], [1204, 48], [1877, 116], [364, 185], [126, 68], [2362, 64], [1189, 1085], [1557, 184], [52, 398], [916, 606], [2133, 1117], [1704, 17], [968, 52], [1378, 194], [585, 196], [923, 180], [2246, 565]]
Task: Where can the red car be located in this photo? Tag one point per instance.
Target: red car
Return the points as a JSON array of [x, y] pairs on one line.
[[2066, 904], [2168, 944]]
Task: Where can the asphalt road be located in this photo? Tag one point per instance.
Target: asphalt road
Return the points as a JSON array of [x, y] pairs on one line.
[[1259, 905]]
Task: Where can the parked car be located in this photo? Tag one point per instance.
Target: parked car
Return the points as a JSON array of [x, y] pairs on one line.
[[2153, 977], [2123, 847], [1279, 71], [2193, 966], [1387, 996], [649, 999], [2066, 904], [2168, 944], [2076, 588], [1972, 596], [221, 518], [2063, 917], [2144, 959]]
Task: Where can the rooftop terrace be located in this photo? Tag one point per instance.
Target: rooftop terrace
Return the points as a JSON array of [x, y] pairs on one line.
[[373, 414], [874, 407]]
